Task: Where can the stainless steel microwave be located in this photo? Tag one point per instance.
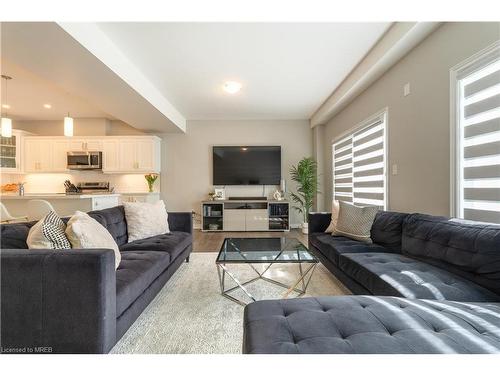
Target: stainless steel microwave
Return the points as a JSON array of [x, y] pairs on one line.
[[84, 160]]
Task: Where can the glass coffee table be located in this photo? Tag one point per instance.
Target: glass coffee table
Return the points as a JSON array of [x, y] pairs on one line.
[[268, 251]]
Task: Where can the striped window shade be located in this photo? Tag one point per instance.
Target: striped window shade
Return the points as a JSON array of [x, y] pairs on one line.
[[359, 165], [478, 152]]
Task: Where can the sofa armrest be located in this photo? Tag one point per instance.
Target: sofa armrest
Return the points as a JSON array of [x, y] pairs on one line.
[[180, 221], [59, 301], [319, 221]]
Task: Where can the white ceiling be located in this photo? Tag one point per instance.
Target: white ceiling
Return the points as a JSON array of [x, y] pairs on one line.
[[28, 92], [287, 69]]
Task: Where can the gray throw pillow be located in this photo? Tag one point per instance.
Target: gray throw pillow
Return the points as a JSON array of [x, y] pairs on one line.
[[355, 222]]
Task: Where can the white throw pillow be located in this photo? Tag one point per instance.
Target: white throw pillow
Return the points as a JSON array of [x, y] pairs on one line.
[[335, 217], [355, 222], [48, 233], [145, 220], [85, 232]]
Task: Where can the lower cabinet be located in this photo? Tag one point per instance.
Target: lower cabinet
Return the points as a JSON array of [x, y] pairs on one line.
[[100, 203], [143, 198], [234, 220], [256, 220]]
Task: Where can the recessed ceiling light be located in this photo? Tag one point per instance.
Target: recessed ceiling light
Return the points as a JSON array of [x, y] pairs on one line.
[[232, 87], [6, 106], [48, 106]]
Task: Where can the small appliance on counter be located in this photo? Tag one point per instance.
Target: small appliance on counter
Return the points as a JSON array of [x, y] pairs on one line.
[[94, 187]]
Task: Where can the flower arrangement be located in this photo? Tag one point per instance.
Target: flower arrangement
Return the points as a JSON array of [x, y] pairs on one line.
[[151, 178]]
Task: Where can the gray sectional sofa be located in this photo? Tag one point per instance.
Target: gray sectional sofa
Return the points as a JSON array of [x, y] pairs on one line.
[[73, 301], [429, 284]]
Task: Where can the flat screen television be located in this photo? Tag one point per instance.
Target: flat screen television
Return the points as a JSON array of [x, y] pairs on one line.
[[246, 165]]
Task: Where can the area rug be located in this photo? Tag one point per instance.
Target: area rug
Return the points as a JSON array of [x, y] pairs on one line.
[[189, 315]]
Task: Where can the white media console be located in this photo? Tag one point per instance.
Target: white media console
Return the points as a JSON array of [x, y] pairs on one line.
[[245, 215]]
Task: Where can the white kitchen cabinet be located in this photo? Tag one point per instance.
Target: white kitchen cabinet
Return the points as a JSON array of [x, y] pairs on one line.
[[59, 159], [139, 155], [110, 155], [128, 155], [10, 153], [100, 203], [37, 155], [85, 144], [120, 154], [141, 197]]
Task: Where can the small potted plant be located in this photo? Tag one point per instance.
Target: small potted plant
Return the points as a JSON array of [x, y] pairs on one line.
[[151, 178], [305, 174]]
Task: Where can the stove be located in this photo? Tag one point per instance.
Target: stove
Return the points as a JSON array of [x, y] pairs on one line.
[[94, 187]]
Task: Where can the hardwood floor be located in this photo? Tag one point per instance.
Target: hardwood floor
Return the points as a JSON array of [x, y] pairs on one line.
[[212, 241]]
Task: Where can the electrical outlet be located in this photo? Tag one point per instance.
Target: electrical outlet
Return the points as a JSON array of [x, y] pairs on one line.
[[406, 89], [394, 169]]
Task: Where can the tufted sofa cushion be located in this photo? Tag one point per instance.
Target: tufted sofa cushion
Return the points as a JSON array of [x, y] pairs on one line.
[[137, 270], [173, 243], [469, 249], [113, 219], [370, 325], [13, 236], [387, 228], [332, 247], [397, 275]]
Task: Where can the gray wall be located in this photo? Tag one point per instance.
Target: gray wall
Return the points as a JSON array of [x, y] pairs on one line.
[[419, 124], [186, 175]]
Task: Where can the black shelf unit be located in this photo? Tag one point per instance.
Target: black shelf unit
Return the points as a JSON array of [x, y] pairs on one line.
[[213, 216], [279, 216]]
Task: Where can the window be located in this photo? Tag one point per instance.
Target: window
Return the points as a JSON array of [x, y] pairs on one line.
[[359, 163], [476, 137]]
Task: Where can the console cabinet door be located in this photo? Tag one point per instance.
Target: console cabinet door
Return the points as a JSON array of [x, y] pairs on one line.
[[257, 220], [234, 220]]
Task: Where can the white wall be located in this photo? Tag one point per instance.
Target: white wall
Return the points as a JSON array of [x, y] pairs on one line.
[[186, 177], [419, 124]]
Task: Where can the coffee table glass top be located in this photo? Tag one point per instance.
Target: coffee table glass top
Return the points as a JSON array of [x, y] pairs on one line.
[[264, 250]]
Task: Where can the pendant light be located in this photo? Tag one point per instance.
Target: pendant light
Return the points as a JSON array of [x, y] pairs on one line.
[[6, 122], [68, 126]]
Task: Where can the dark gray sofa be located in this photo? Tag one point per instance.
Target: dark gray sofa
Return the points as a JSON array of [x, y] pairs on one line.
[[73, 301], [428, 260]]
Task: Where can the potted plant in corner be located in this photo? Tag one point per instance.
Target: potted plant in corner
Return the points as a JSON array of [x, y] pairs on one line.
[[305, 174]]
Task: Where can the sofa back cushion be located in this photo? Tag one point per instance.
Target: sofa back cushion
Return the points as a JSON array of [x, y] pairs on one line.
[[387, 230], [14, 236], [469, 249], [113, 219]]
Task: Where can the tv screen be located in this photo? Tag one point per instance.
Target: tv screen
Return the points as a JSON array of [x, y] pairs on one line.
[[246, 165]]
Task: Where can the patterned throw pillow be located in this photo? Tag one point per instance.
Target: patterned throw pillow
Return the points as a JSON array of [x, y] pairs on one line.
[[48, 233], [355, 222]]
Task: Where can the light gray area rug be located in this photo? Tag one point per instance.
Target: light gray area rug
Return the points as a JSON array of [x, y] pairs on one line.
[[190, 316]]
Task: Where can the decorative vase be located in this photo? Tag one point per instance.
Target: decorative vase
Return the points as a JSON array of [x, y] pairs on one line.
[[305, 228]]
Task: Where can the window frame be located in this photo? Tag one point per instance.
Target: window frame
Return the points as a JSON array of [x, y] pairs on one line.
[[458, 72], [381, 115]]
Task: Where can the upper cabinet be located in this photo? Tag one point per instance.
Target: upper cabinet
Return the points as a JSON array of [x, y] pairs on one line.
[[37, 155], [10, 153], [135, 155], [121, 154]]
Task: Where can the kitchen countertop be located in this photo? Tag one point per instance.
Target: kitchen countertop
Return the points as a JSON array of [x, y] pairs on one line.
[[56, 196]]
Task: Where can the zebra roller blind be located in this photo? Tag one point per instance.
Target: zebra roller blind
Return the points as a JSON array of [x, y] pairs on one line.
[[359, 165], [478, 150]]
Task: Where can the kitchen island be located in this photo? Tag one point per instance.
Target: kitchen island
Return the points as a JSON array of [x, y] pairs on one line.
[[64, 204]]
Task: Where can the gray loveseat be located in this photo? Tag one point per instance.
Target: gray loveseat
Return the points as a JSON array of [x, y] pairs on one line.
[[429, 284], [73, 301]]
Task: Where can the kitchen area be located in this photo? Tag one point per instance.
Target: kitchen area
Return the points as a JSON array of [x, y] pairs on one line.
[[77, 173]]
